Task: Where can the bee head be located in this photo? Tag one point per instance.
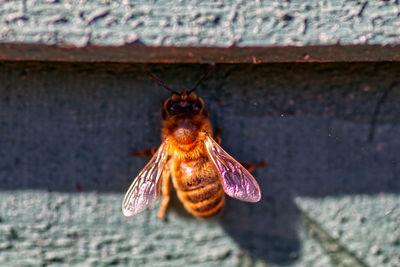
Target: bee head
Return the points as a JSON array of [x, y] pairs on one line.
[[184, 101]]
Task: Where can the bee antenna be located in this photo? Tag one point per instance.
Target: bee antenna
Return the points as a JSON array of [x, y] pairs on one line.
[[161, 83], [201, 80]]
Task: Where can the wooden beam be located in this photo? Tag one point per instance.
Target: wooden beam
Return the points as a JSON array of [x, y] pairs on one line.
[[148, 54]]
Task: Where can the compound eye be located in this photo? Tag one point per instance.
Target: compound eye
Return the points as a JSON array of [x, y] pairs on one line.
[[170, 107], [198, 106]]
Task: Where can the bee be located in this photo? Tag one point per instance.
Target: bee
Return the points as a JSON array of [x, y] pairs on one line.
[[200, 170]]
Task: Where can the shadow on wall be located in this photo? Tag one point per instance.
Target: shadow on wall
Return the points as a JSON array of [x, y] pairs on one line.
[[325, 129]]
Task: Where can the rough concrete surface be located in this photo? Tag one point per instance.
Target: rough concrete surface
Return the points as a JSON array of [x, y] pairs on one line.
[[328, 131], [200, 23]]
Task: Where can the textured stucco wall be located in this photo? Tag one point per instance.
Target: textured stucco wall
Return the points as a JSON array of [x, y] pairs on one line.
[[329, 132], [200, 23]]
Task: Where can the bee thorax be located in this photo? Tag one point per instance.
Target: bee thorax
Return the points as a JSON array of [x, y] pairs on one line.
[[185, 133]]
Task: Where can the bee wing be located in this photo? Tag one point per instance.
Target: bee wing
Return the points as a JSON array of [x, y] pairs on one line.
[[145, 189], [236, 180]]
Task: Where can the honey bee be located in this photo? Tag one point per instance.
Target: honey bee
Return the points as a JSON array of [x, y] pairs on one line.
[[200, 170]]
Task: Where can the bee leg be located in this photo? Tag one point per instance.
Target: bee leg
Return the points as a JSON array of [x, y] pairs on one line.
[[252, 166], [217, 135], [147, 153], [165, 192]]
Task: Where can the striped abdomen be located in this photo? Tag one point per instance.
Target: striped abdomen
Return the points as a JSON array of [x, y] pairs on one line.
[[198, 186]]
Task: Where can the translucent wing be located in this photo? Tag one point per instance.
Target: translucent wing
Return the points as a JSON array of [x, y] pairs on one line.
[[145, 189], [236, 180]]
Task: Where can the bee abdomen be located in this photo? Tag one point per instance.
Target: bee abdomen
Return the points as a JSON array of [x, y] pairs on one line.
[[198, 186], [204, 201]]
